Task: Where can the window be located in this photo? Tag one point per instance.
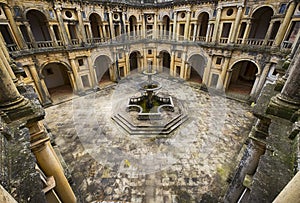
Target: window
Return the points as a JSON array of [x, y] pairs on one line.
[[219, 61], [179, 55], [51, 14], [83, 14], [68, 14], [85, 81], [247, 10], [17, 11], [282, 8], [229, 12], [120, 55], [149, 51], [215, 13], [80, 62]]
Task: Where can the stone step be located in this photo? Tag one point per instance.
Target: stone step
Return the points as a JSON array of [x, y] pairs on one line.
[[149, 130]]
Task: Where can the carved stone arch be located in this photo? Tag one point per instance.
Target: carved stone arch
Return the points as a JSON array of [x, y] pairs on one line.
[[262, 6], [246, 59], [202, 10], [40, 71]]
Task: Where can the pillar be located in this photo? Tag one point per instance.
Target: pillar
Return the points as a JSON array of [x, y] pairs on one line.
[[172, 63], [208, 32], [286, 103], [268, 34], [247, 30], [143, 26], [111, 25], [49, 162], [92, 72], [174, 25], [155, 27], [284, 24], [30, 34], [195, 31], [217, 23], [236, 24], [263, 77], [182, 67], [78, 82], [290, 192], [44, 95], [61, 25], [187, 25], [80, 24], [20, 41], [221, 80], [51, 31], [207, 71]]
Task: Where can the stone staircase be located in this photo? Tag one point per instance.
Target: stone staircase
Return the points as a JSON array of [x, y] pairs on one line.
[[150, 130]]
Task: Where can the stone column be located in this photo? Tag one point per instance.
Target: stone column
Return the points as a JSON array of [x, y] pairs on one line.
[[143, 31], [49, 162], [61, 25], [111, 25], [236, 24], [187, 25], [172, 68], [268, 34], [78, 82], [182, 67], [217, 23], [286, 103], [174, 26], [207, 32], [80, 25], [263, 77], [4, 56], [247, 30], [207, 71], [290, 193], [30, 34], [51, 31], [20, 41], [195, 31], [92, 72], [155, 27], [44, 94], [284, 24], [221, 80]]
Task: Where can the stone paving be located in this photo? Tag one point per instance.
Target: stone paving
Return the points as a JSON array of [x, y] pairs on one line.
[[194, 164]]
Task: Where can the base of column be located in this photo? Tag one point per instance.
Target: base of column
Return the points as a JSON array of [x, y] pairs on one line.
[[283, 108], [16, 109]]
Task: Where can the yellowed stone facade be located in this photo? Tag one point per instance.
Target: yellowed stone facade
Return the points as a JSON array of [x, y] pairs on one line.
[[228, 45]]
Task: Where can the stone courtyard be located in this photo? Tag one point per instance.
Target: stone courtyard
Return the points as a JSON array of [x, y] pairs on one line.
[[195, 163]]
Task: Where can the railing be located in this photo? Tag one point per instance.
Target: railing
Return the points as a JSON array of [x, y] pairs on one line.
[[224, 40], [256, 42], [44, 44], [286, 45], [200, 38], [150, 35], [12, 47], [75, 41], [239, 40]]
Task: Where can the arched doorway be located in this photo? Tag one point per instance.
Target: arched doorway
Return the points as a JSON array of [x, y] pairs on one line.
[[260, 22], [197, 66], [56, 78], [39, 25], [165, 26], [133, 26], [242, 77], [165, 60], [202, 24], [134, 60], [96, 26], [101, 65]]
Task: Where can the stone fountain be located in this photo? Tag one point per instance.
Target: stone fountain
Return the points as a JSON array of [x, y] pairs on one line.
[[150, 113], [149, 105]]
